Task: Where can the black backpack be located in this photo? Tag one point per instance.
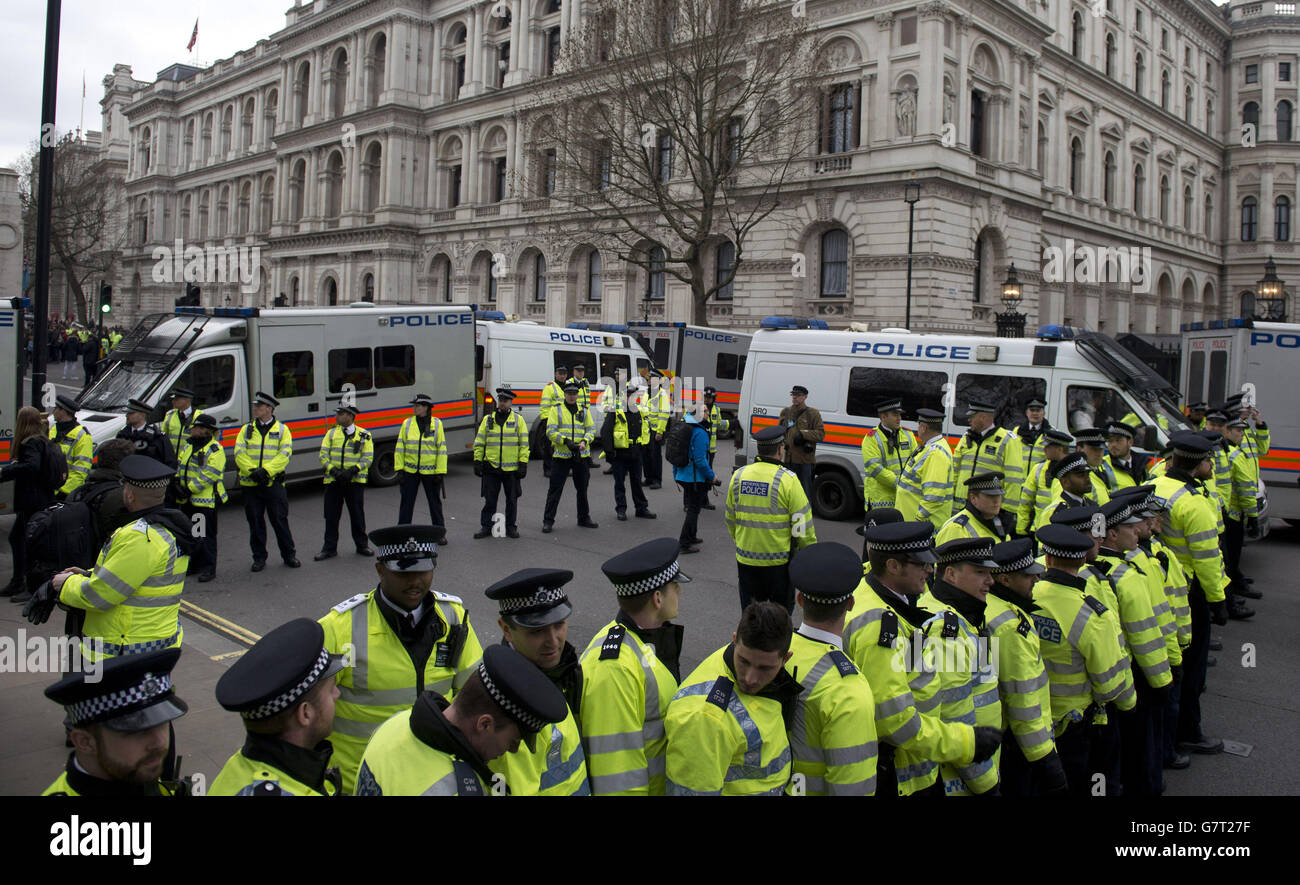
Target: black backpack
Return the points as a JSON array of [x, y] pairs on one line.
[[677, 443], [63, 534], [54, 467]]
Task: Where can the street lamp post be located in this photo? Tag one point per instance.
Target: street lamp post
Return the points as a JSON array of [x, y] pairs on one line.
[[1270, 299], [911, 193], [1011, 323]]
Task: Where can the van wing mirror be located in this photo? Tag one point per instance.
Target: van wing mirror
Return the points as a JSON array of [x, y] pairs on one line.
[[1151, 440]]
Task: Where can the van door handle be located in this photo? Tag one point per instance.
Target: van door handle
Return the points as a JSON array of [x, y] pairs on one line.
[[229, 419]]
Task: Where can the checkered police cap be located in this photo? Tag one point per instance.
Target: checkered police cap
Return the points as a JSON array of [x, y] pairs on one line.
[[102, 707], [645, 585], [408, 549], [1016, 565], [524, 717], [544, 597], [1061, 552], [287, 699]]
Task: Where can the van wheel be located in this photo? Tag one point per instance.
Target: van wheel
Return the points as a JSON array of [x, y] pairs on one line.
[[383, 472], [834, 496]]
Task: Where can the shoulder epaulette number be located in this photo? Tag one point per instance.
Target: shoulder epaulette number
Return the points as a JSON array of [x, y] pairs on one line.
[[888, 629], [1095, 605], [842, 662], [950, 625], [613, 644], [962, 519], [1023, 627], [720, 693], [350, 603], [447, 597], [364, 434]]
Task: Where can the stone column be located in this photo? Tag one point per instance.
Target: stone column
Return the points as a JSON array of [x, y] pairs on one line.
[[883, 125], [1032, 160], [1268, 104], [929, 100], [1266, 199], [470, 165]]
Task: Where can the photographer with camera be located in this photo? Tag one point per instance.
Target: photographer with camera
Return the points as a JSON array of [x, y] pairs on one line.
[[803, 430]]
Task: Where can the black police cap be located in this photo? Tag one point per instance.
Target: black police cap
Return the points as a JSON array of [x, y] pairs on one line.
[[1198, 407], [1063, 542], [1189, 444], [1070, 463], [577, 366], [422, 399], [1057, 438], [1090, 436], [913, 539], [889, 405], [1119, 428], [521, 690], [131, 693], [1121, 511], [645, 567], [67, 403], [930, 416], [505, 393], [205, 420], [826, 572], [1081, 519], [976, 551], [770, 434], [278, 671], [710, 391], [1016, 557], [351, 410], [879, 516], [1035, 403], [406, 548], [135, 405], [533, 597], [799, 389], [974, 406], [989, 483], [181, 391], [265, 399], [144, 472]]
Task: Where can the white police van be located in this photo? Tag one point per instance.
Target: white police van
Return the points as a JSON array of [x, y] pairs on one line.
[[310, 359], [715, 357], [1086, 379], [1261, 361], [12, 341]]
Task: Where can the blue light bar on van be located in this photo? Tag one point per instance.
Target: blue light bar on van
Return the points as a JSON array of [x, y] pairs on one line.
[[489, 315], [1056, 333], [241, 312], [191, 311], [1217, 324], [774, 322], [658, 325]]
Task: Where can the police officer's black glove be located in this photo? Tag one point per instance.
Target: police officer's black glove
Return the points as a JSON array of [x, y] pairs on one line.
[[260, 476], [523, 470], [987, 741], [353, 472], [1049, 775], [1219, 612], [38, 608], [478, 468], [1177, 670], [1160, 696], [1252, 524]]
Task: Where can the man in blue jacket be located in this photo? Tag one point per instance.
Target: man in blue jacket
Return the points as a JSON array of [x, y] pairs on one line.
[[696, 478]]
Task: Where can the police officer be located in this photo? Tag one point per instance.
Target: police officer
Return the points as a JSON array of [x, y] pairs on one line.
[[147, 438], [985, 447], [955, 642], [284, 690], [925, 486], [178, 420], [886, 448], [623, 434], [1091, 441], [501, 461], [534, 621], [1038, 488], [630, 671], [198, 488], [1190, 532], [803, 430], [262, 452], [346, 453], [766, 525], [402, 638], [1074, 487], [552, 396], [879, 633], [1086, 666], [421, 460], [1031, 432], [578, 376], [983, 516], [1029, 764], [442, 748], [119, 722], [1123, 467], [718, 425], [660, 409], [727, 724], [833, 732], [132, 597], [1241, 510], [75, 441], [570, 430], [1196, 414]]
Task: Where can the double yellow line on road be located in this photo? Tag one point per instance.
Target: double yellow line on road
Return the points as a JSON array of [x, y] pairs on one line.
[[226, 628]]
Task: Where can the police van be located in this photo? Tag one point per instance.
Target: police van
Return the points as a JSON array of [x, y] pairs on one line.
[[524, 356], [377, 356], [1085, 377], [714, 357], [1261, 361], [12, 342]]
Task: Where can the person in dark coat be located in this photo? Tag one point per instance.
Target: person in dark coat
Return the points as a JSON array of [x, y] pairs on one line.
[[25, 470]]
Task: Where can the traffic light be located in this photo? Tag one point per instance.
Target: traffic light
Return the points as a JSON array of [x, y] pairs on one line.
[[105, 298]]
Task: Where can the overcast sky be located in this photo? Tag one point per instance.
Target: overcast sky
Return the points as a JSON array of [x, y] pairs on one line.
[[94, 35]]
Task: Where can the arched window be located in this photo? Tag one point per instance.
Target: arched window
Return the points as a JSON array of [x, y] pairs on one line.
[[1110, 55], [595, 268], [1164, 199], [293, 292], [1249, 219], [368, 288], [1139, 186], [244, 211], [227, 130], [1282, 219], [726, 261], [539, 278], [1042, 149], [1284, 121], [655, 279], [1250, 116], [142, 222], [297, 190], [377, 65], [1076, 36], [334, 185], [1164, 90], [267, 205], [246, 125], [370, 178], [1187, 105], [1208, 211], [1187, 207], [205, 140], [331, 293], [1108, 180], [1139, 73], [269, 115], [835, 264], [1076, 166], [300, 86], [977, 285], [1209, 116], [338, 79], [189, 143], [146, 150]]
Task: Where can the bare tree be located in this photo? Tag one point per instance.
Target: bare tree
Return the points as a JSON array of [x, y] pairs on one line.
[[673, 125], [87, 221]]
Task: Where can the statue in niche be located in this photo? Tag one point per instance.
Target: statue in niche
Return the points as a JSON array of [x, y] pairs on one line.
[[1024, 136], [906, 112], [948, 99]]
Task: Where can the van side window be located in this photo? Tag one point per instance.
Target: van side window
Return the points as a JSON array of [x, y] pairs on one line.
[[570, 358], [613, 363], [294, 373], [350, 366], [1196, 375], [1096, 407], [1218, 376], [740, 370], [729, 366], [642, 364], [660, 354], [919, 390], [478, 363], [395, 366], [1009, 394], [212, 380]]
